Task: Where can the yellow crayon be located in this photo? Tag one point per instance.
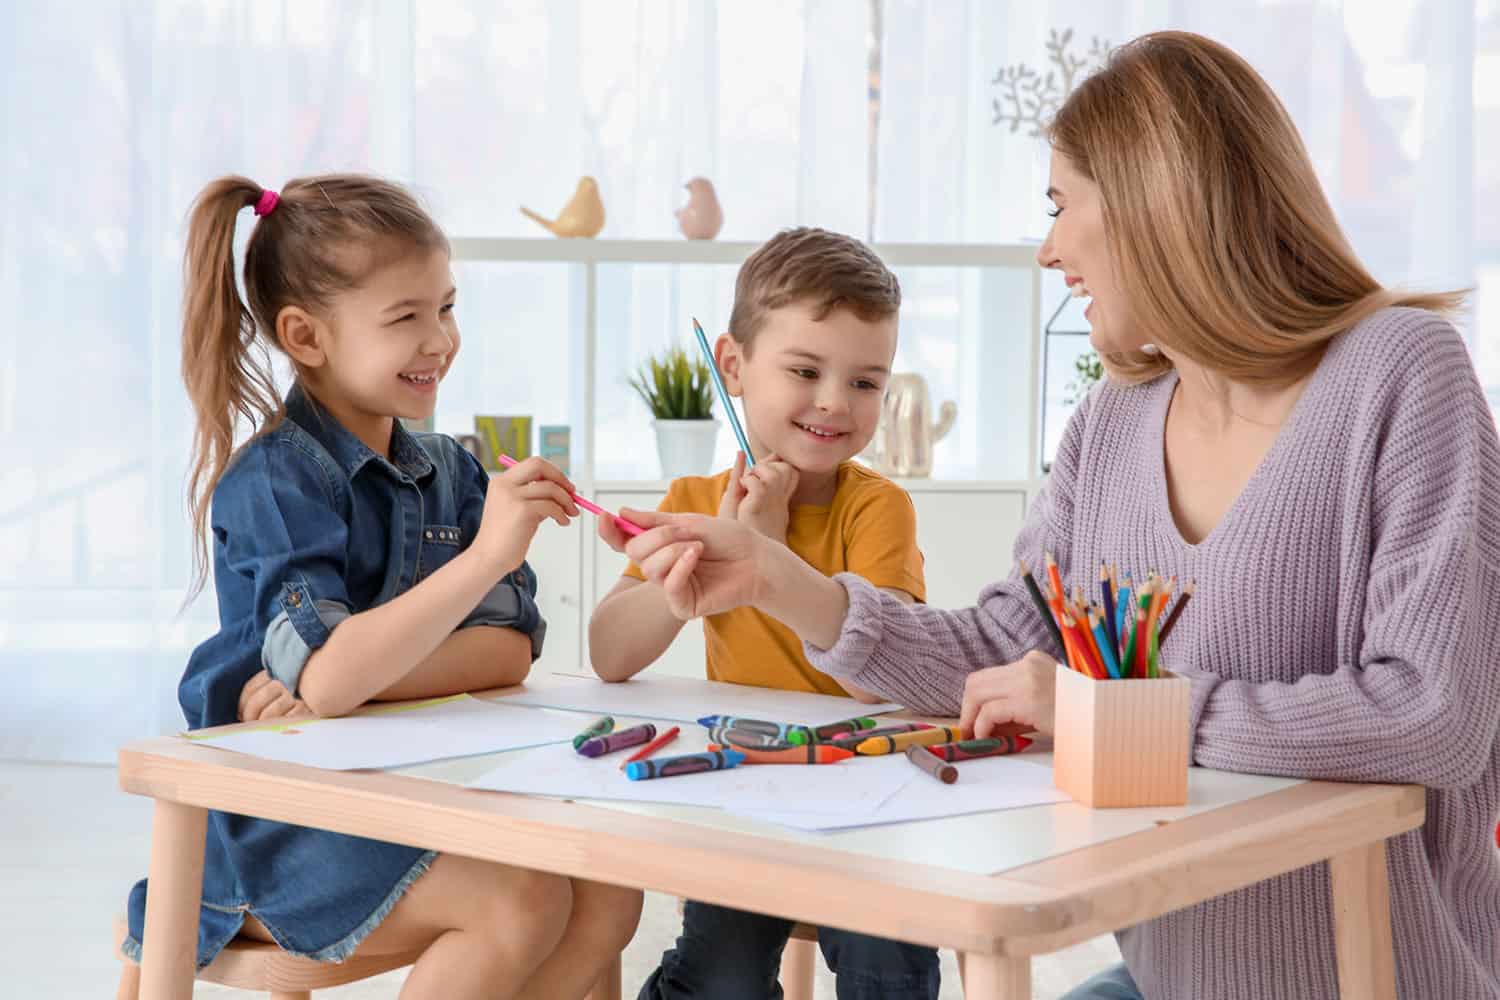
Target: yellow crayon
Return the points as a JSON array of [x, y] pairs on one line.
[[877, 745]]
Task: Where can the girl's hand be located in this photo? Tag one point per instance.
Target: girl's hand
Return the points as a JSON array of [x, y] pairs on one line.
[[767, 496], [264, 697], [516, 502], [1021, 692], [703, 564]]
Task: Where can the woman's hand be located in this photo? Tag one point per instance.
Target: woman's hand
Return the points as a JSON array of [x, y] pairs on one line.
[[703, 564], [264, 697], [1021, 692], [516, 502]]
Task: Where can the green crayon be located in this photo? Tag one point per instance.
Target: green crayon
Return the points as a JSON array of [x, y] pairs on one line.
[[598, 727]]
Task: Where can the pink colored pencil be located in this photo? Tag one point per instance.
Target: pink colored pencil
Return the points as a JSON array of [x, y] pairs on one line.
[[629, 527]]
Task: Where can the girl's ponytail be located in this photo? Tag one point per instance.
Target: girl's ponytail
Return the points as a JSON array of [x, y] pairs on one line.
[[226, 370]]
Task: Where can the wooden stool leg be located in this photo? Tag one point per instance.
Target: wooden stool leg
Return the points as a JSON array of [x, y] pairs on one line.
[[607, 986], [130, 981], [996, 977], [178, 834], [798, 962], [1362, 923]]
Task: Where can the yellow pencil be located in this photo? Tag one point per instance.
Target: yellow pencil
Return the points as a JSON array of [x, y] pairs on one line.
[[877, 745]]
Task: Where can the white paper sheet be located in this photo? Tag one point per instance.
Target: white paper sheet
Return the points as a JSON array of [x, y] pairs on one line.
[[684, 699], [985, 785], [458, 728], [852, 787]]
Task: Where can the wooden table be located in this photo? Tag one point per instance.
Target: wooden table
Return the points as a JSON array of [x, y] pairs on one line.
[[1064, 895]]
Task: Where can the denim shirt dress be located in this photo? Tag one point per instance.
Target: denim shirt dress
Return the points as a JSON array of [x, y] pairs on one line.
[[310, 527]]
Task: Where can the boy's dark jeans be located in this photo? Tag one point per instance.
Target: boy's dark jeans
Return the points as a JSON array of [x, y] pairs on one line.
[[726, 954]]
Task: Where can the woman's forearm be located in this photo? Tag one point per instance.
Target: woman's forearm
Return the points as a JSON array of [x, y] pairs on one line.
[[369, 652], [802, 598]]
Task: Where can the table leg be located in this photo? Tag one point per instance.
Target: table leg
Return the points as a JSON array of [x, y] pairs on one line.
[[175, 888], [996, 977], [1362, 923]]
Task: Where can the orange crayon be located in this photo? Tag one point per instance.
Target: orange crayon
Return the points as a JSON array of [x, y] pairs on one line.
[[820, 753]]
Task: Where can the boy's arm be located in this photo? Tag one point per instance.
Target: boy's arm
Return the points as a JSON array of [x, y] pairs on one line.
[[629, 629]]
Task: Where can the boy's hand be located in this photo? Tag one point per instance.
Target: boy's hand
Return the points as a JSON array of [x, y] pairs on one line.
[[734, 489], [516, 502], [767, 501], [264, 697]]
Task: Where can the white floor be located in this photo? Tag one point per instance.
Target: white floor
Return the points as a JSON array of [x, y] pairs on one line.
[[71, 845]]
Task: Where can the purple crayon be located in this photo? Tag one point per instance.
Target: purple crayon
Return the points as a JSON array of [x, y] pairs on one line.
[[610, 742], [688, 763]]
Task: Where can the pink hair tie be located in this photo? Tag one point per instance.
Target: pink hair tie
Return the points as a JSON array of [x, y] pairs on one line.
[[266, 203]]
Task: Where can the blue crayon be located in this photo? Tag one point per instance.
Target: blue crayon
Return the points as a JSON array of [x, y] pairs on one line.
[[787, 731], [610, 742], [688, 763]]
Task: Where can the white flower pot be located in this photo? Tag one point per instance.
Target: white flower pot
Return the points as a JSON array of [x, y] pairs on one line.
[[685, 447]]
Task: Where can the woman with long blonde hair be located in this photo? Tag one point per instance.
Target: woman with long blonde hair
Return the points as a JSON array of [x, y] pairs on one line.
[[1310, 447]]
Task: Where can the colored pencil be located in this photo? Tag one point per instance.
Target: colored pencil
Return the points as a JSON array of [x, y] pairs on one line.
[[1111, 663], [1166, 628], [629, 527], [652, 747], [1042, 609], [1107, 592], [713, 369]]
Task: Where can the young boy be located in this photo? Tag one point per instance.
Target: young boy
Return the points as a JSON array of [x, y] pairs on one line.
[[811, 339]]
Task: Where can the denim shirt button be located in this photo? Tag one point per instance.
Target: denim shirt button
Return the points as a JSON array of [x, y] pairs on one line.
[[429, 536], [294, 599]]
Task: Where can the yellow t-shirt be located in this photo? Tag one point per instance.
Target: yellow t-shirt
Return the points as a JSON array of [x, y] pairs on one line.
[[870, 529]]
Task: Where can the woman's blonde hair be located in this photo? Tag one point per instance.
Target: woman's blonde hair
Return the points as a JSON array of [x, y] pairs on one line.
[[1222, 238], [320, 236]]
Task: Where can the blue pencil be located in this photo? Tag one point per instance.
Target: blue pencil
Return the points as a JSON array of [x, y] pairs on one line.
[[713, 369]]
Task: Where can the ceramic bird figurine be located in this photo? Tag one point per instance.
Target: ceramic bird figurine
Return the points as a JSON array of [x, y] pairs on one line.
[[583, 215], [702, 217]]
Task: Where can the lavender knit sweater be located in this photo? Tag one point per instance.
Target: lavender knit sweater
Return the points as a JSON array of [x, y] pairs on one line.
[[1346, 626]]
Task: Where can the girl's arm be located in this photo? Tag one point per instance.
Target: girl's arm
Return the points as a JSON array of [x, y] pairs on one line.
[[470, 659], [366, 654]]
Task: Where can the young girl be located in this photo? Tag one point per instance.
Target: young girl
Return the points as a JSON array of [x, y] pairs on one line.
[[354, 561]]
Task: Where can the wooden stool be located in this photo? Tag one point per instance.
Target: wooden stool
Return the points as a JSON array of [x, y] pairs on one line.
[[257, 965]]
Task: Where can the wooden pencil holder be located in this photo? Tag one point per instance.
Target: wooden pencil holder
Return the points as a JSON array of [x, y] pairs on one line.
[[1121, 743]]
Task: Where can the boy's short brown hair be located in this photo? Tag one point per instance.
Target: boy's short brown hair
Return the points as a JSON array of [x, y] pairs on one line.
[[831, 270]]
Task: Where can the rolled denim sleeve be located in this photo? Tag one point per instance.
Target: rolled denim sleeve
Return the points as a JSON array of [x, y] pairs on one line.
[[511, 603], [285, 533]]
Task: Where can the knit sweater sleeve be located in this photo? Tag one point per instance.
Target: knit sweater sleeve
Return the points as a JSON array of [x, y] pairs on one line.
[[920, 655], [1420, 702]]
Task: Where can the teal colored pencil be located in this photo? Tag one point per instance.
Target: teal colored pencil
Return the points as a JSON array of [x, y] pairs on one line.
[[1101, 635], [713, 369]]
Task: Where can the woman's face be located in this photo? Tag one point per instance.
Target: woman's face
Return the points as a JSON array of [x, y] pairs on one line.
[[1076, 246]]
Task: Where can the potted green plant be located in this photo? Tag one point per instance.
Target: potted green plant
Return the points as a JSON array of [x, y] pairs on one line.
[[678, 388]]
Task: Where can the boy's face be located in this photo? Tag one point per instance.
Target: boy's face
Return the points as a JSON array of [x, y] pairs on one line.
[[812, 389]]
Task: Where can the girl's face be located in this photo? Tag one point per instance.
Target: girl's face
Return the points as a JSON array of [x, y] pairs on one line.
[[387, 345], [1078, 247]]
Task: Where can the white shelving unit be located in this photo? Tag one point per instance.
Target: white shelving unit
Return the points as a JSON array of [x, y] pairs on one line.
[[965, 525]]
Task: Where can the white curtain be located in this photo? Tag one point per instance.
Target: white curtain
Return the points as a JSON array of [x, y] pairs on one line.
[[1398, 104], [114, 115]]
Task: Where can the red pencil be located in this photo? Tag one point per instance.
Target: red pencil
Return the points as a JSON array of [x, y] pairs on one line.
[[652, 747]]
